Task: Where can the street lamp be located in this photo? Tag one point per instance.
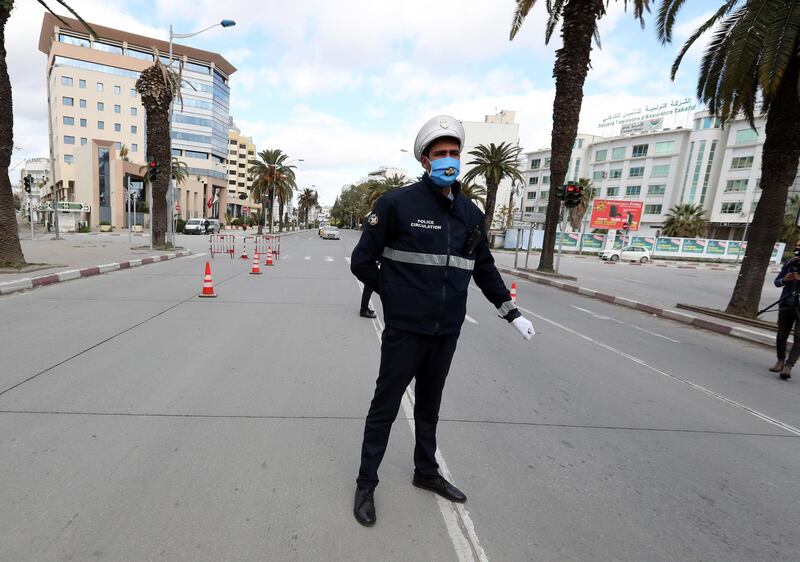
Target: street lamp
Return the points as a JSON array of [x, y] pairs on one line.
[[170, 198]]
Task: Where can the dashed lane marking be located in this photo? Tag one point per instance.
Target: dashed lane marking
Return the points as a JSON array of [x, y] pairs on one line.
[[328, 258], [307, 258], [602, 317]]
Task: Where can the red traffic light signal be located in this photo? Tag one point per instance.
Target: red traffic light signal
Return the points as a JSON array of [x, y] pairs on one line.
[[152, 169]]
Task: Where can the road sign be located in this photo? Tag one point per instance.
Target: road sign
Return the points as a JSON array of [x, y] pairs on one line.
[[245, 209], [533, 217], [178, 207]]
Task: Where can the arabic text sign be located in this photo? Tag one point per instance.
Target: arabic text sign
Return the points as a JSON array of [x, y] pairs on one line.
[[649, 112], [610, 214]]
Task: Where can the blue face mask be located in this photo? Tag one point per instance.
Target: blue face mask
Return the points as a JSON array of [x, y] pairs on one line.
[[444, 171]]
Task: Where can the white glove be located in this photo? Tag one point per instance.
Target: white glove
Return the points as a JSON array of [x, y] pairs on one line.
[[524, 327]]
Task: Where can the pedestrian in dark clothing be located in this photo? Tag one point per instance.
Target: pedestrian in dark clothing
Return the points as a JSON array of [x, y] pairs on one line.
[[366, 311], [788, 310]]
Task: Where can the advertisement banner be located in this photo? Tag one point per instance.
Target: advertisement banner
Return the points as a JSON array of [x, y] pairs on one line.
[[669, 245], [570, 239], [734, 245], [717, 247], [593, 241], [646, 241], [694, 246], [612, 213], [775, 250]]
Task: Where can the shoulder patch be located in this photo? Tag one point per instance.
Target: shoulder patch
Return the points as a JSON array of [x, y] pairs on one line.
[[372, 219]]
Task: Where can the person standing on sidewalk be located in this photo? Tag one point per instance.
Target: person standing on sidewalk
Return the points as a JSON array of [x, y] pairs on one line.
[[788, 311], [430, 242]]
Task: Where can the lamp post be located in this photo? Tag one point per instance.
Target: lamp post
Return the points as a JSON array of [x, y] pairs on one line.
[[170, 192], [744, 234]]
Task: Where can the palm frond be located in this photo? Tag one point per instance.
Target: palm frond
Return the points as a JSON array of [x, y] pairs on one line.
[[708, 24], [778, 49], [520, 13], [84, 23], [555, 10]]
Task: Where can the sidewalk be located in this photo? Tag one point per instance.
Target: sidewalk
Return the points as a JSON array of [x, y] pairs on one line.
[[726, 327], [79, 255]]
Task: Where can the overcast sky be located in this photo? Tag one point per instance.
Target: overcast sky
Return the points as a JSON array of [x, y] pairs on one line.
[[346, 84]]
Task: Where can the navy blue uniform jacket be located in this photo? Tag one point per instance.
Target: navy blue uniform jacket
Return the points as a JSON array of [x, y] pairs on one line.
[[419, 237]]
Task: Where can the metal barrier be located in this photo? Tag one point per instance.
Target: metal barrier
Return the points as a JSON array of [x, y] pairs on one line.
[[222, 244]]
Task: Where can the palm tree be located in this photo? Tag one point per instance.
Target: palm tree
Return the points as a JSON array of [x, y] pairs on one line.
[[494, 163], [579, 24], [375, 189], [474, 192], [685, 220], [306, 200], [588, 194], [269, 171], [10, 248], [158, 85], [284, 192], [123, 153], [751, 60]]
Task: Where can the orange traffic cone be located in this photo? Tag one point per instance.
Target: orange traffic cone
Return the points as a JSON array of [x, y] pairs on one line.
[[256, 269], [269, 257], [514, 292], [208, 284]]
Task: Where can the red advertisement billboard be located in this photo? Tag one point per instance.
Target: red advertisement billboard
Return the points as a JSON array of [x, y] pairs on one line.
[[612, 213]]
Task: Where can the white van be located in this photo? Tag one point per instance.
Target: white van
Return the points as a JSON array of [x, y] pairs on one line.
[[197, 226]]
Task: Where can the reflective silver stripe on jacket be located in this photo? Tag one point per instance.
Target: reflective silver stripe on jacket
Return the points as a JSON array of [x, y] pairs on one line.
[[506, 307], [428, 259]]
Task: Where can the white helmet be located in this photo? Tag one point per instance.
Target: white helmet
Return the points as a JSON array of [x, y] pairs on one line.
[[436, 128]]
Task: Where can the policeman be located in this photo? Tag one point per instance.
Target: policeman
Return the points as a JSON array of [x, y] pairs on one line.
[[430, 242]]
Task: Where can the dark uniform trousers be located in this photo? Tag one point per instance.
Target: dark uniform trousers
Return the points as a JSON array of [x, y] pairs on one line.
[[787, 318], [366, 294], [405, 356]]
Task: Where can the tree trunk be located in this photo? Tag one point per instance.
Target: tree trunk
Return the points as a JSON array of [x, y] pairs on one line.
[[280, 216], [570, 69], [491, 196], [263, 215], [271, 208], [510, 219], [779, 161], [10, 248]]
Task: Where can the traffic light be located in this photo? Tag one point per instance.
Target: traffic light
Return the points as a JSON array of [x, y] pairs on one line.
[[572, 194], [28, 181], [560, 192], [152, 169]]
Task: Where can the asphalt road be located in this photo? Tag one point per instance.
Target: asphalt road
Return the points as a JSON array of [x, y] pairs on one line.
[[659, 286], [142, 423]]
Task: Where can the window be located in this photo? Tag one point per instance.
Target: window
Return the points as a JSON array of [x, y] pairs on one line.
[[194, 67], [578, 143], [531, 195], [178, 118], [117, 128], [101, 125], [83, 141], [746, 136], [83, 122], [546, 163], [612, 192], [639, 150], [117, 90], [636, 172], [652, 209], [599, 175], [107, 47], [533, 180], [82, 84], [242, 165], [201, 155], [232, 182], [741, 162], [660, 171], [615, 173], [736, 185], [117, 109], [633, 190], [134, 129], [134, 147], [133, 92], [665, 147], [67, 101], [535, 163], [69, 140], [134, 112], [731, 208], [69, 159], [618, 153], [68, 120], [243, 146], [177, 152], [72, 40], [529, 209], [658, 189], [133, 53], [100, 106], [66, 81], [117, 145], [83, 104], [577, 168], [600, 155], [75, 63], [233, 142], [545, 179], [241, 175], [544, 195], [99, 86]]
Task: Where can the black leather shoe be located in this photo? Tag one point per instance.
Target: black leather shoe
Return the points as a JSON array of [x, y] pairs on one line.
[[440, 486], [368, 313], [364, 507]]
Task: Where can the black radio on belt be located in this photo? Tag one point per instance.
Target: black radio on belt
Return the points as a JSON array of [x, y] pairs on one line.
[[473, 239]]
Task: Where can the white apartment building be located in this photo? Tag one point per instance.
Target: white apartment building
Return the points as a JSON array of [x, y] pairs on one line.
[[718, 168], [385, 172], [241, 151], [37, 168]]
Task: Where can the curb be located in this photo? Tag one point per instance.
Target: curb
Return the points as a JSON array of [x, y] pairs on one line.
[[717, 327], [72, 274]]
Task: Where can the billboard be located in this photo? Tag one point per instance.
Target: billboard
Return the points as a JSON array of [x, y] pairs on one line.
[[611, 213]]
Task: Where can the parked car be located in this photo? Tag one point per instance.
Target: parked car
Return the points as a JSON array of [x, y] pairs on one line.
[[628, 253], [330, 233], [196, 226]]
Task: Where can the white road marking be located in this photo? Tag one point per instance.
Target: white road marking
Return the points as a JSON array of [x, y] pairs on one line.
[[456, 517], [193, 256], [601, 317], [704, 390], [470, 319], [328, 258], [307, 258], [347, 260], [284, 257]]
